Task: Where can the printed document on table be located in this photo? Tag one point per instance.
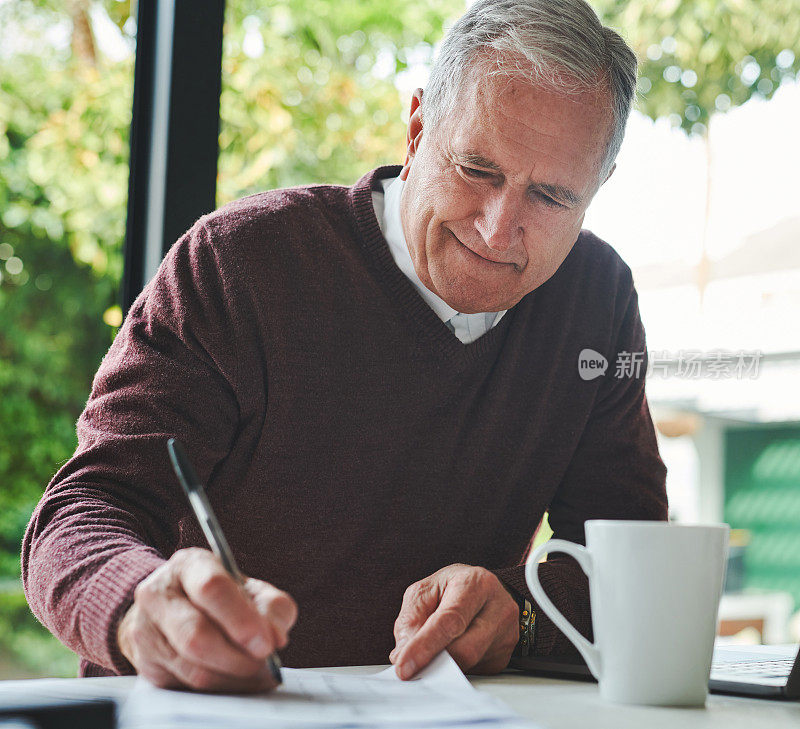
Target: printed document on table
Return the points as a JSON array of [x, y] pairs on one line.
[[439, 696]]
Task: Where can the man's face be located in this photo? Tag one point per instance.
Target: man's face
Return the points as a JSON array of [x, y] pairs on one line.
[[495, 196]]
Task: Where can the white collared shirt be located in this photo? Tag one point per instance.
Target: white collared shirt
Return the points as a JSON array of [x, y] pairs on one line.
[[467, 327]]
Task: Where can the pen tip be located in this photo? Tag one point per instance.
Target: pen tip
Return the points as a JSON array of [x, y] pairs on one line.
[[275, 667]]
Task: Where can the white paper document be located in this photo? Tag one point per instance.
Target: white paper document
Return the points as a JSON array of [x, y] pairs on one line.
[[439, 696]]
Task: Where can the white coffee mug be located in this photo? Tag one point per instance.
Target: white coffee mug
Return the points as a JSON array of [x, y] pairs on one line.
[[654, 590]]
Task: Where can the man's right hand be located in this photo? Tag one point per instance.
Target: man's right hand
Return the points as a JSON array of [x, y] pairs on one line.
[[192, 626]]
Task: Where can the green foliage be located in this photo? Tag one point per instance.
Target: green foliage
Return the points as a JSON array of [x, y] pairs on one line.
[[28, 651], [63, 177], [333, 111], [64, 120], [702, 56], [308, 95]]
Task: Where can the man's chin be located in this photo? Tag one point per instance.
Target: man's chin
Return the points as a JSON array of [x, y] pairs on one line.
[[468, 303], [468, 284]]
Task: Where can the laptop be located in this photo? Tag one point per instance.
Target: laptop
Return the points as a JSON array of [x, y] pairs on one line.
[[764, 671]]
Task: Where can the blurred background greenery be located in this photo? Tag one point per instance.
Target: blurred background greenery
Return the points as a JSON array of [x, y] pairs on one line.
[[312, 91]]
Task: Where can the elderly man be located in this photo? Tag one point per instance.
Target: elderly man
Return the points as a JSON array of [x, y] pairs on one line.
[[380, 387]]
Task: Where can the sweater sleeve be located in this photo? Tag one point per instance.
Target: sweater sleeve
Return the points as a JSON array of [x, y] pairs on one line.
[[615, 473], [110, 515]]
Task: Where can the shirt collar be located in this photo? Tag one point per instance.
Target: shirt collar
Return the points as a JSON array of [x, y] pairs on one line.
[[393, 232], [387, 211]]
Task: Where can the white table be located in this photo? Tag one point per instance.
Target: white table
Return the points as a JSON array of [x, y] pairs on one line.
[[550, 703], [557, 704]]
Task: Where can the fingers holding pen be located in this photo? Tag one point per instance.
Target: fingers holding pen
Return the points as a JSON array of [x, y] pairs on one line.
[[195, 638], [193, 625], [167, 668], [187, 628], [275, 606], [210, 588], [259, 632], [187, 672]]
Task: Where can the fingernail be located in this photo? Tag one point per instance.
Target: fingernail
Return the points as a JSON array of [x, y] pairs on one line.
[[408, 669], [258, 647], [281, 620], [283, 615]]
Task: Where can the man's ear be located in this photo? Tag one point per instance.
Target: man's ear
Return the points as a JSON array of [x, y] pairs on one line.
[[414, 132], [610, 172]]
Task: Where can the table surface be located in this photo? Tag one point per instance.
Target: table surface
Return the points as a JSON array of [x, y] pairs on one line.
[[553, 703]]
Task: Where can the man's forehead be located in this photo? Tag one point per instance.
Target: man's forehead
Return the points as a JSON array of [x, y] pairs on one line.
[[503, 123]]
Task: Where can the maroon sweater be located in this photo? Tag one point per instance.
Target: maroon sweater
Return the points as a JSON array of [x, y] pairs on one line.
[[350, 443]]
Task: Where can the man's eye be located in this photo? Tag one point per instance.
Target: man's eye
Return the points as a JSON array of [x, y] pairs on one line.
[[547, 200], [472, 172]]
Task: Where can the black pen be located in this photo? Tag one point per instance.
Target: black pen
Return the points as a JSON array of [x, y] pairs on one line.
[[211, 528]]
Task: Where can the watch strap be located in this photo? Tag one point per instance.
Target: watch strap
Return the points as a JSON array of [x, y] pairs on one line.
[[527, 626]]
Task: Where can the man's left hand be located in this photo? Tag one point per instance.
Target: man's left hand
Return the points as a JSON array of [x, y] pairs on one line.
[[463, 609]]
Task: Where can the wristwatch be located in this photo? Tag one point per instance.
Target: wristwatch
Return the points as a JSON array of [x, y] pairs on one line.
[[527, 626]]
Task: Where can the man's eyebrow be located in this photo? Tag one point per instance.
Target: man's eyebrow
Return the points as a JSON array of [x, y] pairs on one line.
[[559, 192], [472, 158]]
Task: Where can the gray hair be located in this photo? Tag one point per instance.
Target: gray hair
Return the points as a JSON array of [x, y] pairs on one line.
[[558, 44]]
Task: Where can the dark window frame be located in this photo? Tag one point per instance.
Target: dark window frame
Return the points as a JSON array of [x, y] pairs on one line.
[[174, 130]]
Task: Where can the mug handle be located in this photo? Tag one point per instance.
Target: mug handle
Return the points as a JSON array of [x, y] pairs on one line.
[[589, 651]]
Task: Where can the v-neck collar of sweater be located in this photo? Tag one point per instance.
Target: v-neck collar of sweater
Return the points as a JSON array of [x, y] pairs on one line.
[[401, 289]]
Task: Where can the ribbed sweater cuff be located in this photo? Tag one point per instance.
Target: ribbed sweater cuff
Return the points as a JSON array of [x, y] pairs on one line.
[[107, 597], [571, 599]]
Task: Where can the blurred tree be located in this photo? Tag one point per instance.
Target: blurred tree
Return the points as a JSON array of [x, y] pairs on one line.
[[312, 100], [699, 58], [64, 118], [333, 111], [63, 159]]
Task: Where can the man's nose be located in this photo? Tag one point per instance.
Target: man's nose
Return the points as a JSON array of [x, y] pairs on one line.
[[499, 222]]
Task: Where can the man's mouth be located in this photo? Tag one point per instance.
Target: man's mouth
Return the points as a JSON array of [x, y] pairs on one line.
[[483, 257]]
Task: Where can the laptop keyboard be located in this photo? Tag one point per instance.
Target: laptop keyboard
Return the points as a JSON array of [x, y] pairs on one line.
[[768, 669]]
